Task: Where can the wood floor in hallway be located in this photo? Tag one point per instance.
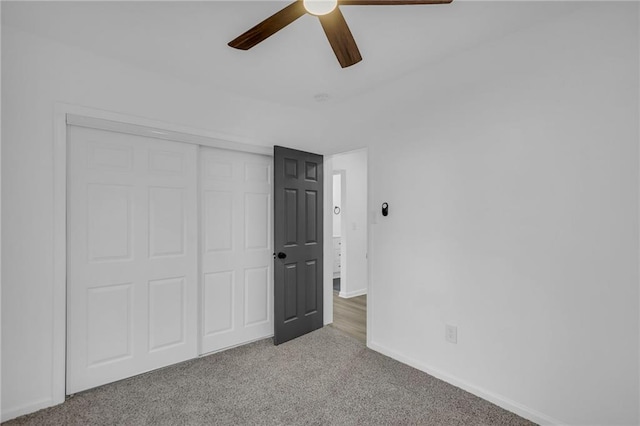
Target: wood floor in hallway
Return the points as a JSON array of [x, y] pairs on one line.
[[350, 316]]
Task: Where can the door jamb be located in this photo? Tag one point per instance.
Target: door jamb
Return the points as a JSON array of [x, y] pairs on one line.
[[64, 114], [327, 252], [344, 205]]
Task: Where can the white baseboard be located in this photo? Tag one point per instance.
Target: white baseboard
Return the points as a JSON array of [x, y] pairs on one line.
[[29, 408], [349, 294], [499, 400]]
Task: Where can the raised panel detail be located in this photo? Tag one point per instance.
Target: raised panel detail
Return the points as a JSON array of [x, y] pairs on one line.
[[256, 295], [104, 157], [291, 168], [166, 222], [218, 302], [256, 221], [166, 313], [166, 162], [109, 210], [290, 292], [310, 171], [132, 258], [218, 220], [311, 282], [257, 173], [217, 169], [311, 227], [109, 323], [291, 217]]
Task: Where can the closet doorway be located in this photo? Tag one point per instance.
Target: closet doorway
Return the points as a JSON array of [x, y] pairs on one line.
[[169, 252]]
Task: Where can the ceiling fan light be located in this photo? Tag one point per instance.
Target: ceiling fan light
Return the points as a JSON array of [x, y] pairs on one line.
[[320, 7]]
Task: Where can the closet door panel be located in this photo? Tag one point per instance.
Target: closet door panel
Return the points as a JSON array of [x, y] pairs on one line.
[[236, 211], [132, 255]]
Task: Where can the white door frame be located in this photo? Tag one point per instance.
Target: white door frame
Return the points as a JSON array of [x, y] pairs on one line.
[[344, 206], [105, 120]]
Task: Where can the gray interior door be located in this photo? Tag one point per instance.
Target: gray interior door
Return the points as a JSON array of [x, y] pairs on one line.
[[298, 262]]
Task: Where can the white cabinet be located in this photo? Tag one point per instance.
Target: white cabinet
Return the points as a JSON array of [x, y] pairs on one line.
[[337, 247]]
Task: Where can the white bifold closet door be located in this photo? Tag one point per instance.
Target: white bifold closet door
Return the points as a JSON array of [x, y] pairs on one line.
[[237, 253], [132, 255]]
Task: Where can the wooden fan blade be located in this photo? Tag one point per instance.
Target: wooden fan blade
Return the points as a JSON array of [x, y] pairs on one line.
[[269, 26], [340, 38], [390, 2]]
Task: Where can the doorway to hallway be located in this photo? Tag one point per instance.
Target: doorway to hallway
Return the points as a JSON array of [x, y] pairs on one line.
[[349, 227]]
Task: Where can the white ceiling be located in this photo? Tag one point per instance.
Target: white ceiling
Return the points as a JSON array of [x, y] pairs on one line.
[[188, 40]]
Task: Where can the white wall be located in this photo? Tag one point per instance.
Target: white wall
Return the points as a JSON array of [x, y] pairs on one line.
[[37, 73], [511, 171], [353, 279], [513, 196]]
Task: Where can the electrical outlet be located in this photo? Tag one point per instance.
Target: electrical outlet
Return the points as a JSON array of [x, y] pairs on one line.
[[451, 333]]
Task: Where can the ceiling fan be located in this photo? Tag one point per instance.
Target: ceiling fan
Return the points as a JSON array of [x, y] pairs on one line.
[[332, 20]]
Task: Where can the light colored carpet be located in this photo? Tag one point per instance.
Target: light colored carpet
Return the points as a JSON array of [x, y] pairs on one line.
[[297, 383]]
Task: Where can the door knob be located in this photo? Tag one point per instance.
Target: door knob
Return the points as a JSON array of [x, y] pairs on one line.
[[282, 255]]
